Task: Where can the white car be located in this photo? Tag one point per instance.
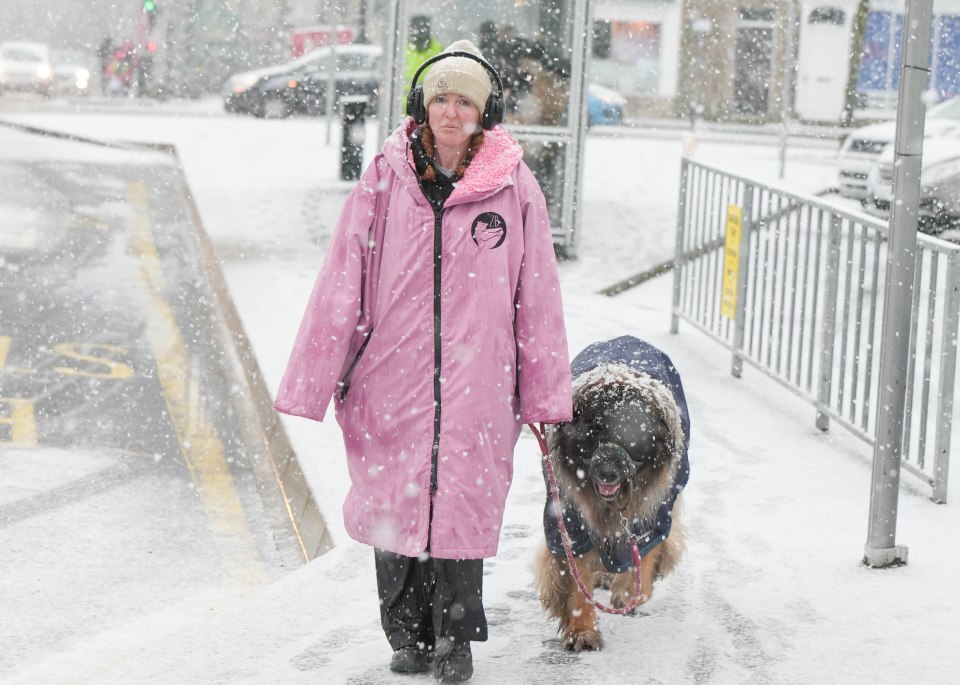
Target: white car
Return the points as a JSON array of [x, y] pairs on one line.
[[26, 66], [939, 184], [862, 147], [73, 72]]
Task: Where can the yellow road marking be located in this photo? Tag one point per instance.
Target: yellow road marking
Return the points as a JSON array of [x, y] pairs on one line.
[[199, 441], [22, 421], [5, 341], [115, 369], [86, 222]]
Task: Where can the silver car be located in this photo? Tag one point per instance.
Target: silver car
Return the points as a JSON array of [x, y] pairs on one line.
[[939, 184], [862, 147], [26, 66]]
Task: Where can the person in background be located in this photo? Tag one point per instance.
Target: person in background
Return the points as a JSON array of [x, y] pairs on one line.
[[507, 53], [104, 53], [437, 325], [421, 46]]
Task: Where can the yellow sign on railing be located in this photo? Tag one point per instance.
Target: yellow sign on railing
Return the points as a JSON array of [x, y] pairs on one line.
[[731, 262]]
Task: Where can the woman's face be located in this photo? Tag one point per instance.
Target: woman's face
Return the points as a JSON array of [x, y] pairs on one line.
[[453, 118]]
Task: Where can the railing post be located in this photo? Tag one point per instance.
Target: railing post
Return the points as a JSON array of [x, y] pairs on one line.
[[948, 368], [743, 270], [829, 328], [678, 258]]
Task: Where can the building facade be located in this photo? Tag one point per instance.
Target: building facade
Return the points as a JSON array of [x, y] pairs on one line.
[[727, 60]]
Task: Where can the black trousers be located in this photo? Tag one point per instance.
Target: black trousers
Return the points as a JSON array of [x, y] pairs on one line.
[[425, 599]]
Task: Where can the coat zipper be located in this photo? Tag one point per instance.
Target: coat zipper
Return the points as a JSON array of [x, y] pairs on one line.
[[435, 455], [345, 381]]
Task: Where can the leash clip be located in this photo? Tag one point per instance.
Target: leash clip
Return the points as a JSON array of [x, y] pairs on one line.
[[637, 539]]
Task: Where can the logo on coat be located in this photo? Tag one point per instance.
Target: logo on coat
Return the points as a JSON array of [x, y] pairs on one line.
[[489, 230]]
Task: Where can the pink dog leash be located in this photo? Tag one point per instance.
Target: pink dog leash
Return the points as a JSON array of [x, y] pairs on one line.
[[541, 435]]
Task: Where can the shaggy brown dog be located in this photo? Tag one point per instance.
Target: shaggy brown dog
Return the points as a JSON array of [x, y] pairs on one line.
[[620, 465]]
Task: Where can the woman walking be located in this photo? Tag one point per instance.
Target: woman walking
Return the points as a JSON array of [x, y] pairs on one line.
[[436, 324]]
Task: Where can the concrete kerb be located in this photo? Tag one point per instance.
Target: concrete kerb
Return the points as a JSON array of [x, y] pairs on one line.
[[261, 423]]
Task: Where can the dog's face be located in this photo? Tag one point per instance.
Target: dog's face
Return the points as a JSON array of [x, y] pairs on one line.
[[616, 447]]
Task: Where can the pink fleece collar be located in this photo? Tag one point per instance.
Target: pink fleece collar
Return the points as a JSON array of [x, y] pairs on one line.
[[490, 170]]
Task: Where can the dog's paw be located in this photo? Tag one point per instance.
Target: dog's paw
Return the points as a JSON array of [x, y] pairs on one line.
[[582, 641], [621, 600]]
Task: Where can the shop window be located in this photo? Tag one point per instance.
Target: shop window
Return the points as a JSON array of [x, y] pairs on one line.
[[632, 65], [761, 14], [827, 15]]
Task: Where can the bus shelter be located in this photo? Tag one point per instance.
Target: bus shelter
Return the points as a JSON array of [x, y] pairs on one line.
[[539, 51]]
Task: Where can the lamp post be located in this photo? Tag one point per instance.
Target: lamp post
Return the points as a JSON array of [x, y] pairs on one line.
[[362, 36], [881, 549], [700, 28], [788, 80]]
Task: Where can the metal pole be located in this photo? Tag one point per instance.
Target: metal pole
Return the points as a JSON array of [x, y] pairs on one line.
[[331, 94], [573, 166], [743, 271], [362, 37], [828, 330], [389, 112], [678, 256], [786, 86], [948, 370], [700, 27], [881, 549]]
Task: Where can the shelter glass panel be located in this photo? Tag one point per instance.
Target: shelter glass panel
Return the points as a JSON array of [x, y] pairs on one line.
[[627, 58], [529, 44]]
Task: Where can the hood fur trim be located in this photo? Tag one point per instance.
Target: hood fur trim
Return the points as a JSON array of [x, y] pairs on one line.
[[588, 385], [491, 168]]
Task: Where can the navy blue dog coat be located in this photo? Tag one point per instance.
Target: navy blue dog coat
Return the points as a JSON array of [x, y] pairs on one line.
[[616, 553]]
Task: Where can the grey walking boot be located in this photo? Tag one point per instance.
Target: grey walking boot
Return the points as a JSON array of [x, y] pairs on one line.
[[410, 660], [453, 662]]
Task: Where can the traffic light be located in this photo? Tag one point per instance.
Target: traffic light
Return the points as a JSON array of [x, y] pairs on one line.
[[150, 9]]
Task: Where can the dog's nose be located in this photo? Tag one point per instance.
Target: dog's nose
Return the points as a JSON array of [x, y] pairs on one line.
[[607, 464], [605, 472]]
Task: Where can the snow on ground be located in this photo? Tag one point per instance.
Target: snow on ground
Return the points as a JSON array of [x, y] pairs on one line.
[[771, 589]]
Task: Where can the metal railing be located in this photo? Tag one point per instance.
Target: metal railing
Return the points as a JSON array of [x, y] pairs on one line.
[[803, 303]]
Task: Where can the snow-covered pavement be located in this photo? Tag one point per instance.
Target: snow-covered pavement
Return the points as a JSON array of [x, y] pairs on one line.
[[771, 589]]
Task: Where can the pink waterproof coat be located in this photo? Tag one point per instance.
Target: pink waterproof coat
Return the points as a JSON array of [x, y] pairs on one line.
[[436, 350]]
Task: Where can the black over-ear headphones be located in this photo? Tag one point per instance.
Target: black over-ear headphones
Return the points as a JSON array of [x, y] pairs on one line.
[[492, 111]]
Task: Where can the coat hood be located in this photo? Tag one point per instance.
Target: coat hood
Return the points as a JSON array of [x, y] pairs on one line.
[[492, 167], [590, 384]]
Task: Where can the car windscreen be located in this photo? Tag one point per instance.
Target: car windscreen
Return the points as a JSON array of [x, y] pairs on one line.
[[356, 62], [16, 55], [68, 57]]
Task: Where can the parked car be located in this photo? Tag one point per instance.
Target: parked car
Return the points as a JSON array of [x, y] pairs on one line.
[[862, 147], [301, 85], [72, 72], [25, 66], [604, 106], [939, 185]]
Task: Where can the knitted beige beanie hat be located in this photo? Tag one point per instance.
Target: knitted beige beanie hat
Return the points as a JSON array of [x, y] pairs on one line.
[[460, 75]]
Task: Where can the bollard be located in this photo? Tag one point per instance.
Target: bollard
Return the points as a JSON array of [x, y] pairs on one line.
[[352, 137]]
